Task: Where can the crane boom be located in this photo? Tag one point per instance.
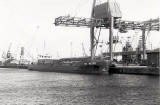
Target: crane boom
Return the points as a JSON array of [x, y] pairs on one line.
[[122, 25], [79, 22]]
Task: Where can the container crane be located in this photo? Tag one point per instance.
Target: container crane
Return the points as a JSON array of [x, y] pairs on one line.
[[109, 19]]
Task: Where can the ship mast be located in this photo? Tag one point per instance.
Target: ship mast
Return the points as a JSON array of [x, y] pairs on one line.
[[92, 32]]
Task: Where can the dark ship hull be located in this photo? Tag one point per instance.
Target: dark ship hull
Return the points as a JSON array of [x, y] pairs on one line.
[[96, 67], [14, 66]]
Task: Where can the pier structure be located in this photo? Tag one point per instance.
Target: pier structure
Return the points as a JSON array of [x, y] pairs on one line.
[[108, 16]]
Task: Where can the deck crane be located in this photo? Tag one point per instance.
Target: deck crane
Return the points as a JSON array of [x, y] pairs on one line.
[[8, 57], [9, 52], [84, 52], [109, 19]]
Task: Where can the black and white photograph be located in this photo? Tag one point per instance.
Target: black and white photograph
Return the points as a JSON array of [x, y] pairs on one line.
[[79, 52]]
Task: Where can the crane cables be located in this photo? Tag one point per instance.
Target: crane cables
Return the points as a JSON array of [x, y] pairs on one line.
[[80, 3], [97, 41]]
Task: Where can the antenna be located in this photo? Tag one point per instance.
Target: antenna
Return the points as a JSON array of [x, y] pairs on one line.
[[44, 48]]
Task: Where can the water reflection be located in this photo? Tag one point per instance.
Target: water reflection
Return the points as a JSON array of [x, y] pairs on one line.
[[48, 88]]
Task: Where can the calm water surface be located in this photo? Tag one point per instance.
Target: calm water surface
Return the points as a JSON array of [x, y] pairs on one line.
[[23, 87]]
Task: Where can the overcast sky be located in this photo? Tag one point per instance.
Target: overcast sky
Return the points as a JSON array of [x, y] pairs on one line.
[[29, 23]]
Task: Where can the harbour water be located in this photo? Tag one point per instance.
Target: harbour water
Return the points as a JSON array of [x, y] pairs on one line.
[[23, 87]]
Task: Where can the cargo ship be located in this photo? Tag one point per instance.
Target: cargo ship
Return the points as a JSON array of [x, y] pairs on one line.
[[11, 62], [70, 65]]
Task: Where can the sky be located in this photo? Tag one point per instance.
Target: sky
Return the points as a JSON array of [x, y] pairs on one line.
[[29, 23]]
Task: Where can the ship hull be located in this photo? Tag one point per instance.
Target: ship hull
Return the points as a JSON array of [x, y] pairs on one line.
[[81, 69], [15, 66]]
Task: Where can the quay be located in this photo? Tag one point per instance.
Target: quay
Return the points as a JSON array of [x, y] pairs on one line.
[[140, 70], [151, 66]]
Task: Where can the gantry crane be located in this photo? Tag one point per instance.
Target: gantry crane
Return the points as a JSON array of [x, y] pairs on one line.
[[110, 22]]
